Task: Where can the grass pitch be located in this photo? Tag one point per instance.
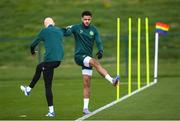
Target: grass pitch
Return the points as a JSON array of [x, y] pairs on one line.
[[157, 102]]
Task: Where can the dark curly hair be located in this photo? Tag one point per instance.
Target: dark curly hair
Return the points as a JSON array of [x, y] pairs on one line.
[[86, 13]]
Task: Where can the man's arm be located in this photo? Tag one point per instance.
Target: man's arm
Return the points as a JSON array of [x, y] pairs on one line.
[[99, 45], [68, 30], [35, 42]]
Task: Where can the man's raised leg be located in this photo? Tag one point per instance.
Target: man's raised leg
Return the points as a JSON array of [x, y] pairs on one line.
[[94, 63], [37, 75]]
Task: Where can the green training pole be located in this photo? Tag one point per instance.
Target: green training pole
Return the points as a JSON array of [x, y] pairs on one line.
[[129, 57], [118, 57], [147, 50], [139, 54]]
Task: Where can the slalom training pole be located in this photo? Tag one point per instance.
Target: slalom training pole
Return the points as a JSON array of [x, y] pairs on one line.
[[118, 58], [147, 50], [129, 57], [139, 54]]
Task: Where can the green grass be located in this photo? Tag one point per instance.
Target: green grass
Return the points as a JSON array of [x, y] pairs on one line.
[[67, 88], [157, 102], [22, 23]]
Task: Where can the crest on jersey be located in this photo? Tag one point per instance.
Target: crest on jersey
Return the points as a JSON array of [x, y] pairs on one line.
[[91, 33]]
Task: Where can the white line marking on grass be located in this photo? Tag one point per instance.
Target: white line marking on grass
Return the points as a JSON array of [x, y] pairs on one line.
[[23, 116], [114, 102]]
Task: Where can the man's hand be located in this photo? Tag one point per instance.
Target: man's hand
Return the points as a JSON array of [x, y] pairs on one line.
[[99, 54], [33, 53], [68, 27], [33, 56]]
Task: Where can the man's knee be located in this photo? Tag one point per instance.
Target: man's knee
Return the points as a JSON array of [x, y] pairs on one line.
[[87, 80], [48, 86], [94, 62]]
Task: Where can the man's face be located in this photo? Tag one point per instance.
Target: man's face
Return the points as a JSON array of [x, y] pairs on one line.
[[86, 20]]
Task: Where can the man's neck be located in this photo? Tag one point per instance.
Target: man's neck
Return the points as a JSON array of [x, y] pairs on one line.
[[86, 27]]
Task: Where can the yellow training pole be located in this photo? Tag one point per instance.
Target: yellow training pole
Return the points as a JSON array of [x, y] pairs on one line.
[[118, 57], [139, 54], [147, 51], [129, 57]]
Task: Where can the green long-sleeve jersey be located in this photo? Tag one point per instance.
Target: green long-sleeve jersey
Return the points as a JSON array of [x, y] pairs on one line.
[[84, 38], [52, 37]]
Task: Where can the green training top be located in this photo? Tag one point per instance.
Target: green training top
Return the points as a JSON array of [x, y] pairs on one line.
[[52, 38], [84, 38]]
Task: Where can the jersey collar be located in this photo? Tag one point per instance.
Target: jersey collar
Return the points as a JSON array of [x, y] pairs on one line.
[[50, 25], [86, 27]]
